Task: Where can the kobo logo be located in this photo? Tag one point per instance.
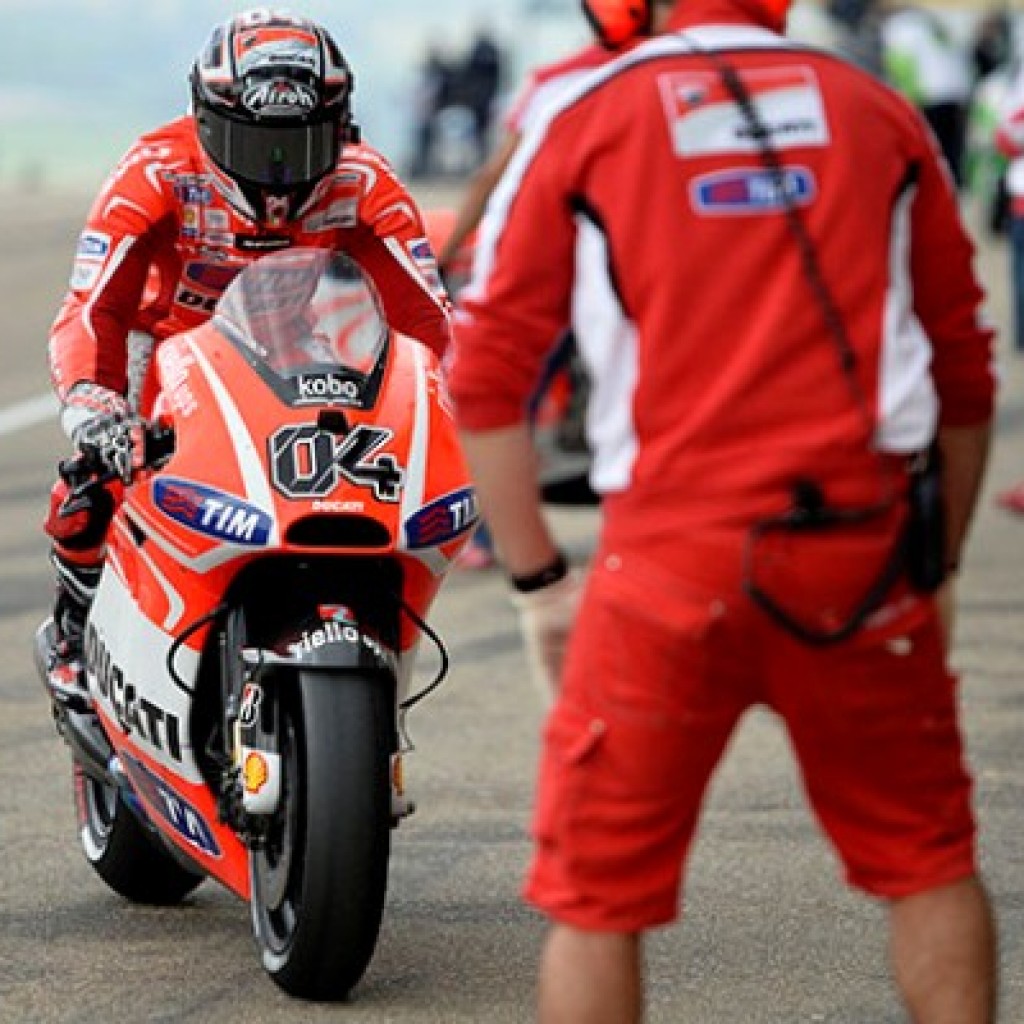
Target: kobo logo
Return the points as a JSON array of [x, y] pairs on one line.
[[326, 387]]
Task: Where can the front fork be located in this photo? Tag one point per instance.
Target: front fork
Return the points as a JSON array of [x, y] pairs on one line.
[[252, 774], [250, 786]]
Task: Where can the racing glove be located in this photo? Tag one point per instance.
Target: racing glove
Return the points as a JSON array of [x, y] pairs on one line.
[[103, 427], [545, 618]]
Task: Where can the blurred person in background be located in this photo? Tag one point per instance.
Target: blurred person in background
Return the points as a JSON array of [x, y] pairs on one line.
[[617, 25], [931, 67], [268, 158], [992, 46], [1010, 141], [807, 347], [480, 81], [615, 31], [860, 32], [433, 94]]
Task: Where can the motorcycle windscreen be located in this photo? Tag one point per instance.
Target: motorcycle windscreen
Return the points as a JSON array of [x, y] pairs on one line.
[[302, 311]]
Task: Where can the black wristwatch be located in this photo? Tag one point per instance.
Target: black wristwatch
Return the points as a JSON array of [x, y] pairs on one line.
[[557, 570]]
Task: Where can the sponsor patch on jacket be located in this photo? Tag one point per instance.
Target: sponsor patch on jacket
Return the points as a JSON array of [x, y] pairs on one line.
[[212, 512], [93, 245], [217, 220], [342, 213], [745, 190], [704, 120], [423, 255], [442, 520], [214, 276], [191, 190], [90, 255], [262, 243]]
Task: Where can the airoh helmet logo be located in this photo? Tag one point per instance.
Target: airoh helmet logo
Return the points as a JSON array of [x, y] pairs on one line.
[[279, 97]]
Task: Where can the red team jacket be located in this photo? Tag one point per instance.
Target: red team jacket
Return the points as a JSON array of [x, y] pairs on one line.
[[162, 243], [723, 384], [551, 81]]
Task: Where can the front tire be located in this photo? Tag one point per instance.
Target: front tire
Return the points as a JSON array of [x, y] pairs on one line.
[[122, 852], [319, 881]]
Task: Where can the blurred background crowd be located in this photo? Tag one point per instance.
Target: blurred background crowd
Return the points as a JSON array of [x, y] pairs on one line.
[[79, 79], [953, 61]]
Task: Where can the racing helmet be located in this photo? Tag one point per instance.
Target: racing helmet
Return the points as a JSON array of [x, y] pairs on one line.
[[617, 22], [271, 96]]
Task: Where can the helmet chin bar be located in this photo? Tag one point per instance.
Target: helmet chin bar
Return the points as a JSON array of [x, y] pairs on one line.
[[250, 200]]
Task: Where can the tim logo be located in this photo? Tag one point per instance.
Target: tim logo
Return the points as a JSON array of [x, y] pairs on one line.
[[175, 809], [744, 191], [212, 512], [442, 519]]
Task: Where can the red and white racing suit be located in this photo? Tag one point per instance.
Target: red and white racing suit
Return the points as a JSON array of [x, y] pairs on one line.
[[725, 387], [162, 242]]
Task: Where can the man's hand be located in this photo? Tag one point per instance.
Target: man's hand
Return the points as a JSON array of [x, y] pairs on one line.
[[546, 617], [103, 427]]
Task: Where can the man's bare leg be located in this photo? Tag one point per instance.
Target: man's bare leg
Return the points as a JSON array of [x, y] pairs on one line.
[[591, 977], [943, 947]]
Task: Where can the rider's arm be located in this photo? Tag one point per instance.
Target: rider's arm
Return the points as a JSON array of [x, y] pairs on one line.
[[391, 244], [130, 221]]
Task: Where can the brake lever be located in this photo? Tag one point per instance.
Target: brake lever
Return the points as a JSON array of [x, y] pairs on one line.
[[159, 444]]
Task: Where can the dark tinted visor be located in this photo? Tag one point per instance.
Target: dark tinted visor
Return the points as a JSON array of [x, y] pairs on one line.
[[271, 155]]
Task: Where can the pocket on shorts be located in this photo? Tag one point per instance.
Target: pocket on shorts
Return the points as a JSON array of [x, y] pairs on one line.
[[571, 740], [643, 647]]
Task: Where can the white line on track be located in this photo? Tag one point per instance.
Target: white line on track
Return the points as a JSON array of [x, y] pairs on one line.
[[26, 414]]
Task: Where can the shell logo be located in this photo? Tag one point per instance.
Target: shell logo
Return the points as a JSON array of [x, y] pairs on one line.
[[255, 772]]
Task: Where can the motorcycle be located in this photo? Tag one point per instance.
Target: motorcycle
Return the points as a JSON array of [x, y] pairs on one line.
[[249, 651]]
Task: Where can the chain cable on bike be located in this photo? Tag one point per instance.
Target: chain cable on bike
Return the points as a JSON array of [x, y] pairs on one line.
[[179, 641], [442, 672]]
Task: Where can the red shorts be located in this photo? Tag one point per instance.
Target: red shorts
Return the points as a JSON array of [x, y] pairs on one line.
[[662, 665]]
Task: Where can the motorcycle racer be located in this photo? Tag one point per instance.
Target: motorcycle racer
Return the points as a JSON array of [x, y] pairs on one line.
[[267, 158]]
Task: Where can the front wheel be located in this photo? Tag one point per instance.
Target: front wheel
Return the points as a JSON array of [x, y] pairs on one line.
[[319, 880]]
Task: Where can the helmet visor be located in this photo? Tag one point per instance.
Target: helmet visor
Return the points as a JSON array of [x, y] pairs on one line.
[[270, 155]]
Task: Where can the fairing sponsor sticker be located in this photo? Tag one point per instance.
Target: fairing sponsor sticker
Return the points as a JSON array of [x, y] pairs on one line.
[[212, 512], [174, 808], [442, 520]]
